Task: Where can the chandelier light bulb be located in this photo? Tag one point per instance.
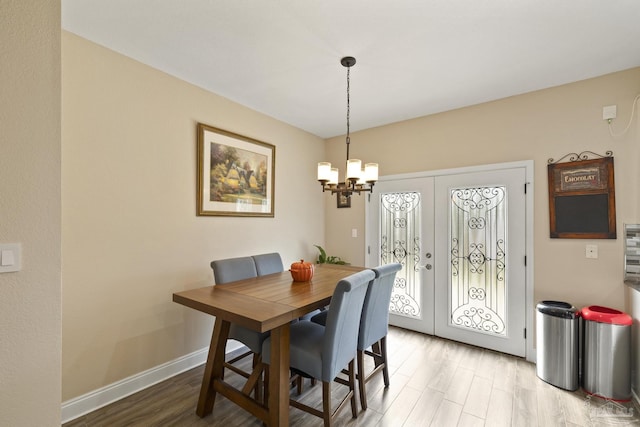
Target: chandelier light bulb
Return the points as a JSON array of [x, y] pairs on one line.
[[333, 176], [371, 172], [354, 169], [324, 171]]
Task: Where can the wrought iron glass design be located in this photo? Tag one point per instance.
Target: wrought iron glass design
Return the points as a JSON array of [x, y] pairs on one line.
[[478, 247], [400, 242]]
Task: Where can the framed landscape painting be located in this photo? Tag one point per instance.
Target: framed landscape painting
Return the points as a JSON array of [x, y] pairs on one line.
[[235, 174]]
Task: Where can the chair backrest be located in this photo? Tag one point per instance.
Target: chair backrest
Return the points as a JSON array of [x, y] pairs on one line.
[[268, 263], [343, 320], [374, 322], [232, 269]]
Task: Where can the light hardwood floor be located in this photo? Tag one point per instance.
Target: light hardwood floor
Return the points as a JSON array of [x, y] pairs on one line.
[[434, 382]]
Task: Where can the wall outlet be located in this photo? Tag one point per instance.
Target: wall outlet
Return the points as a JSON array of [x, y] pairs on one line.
[[592, 251]]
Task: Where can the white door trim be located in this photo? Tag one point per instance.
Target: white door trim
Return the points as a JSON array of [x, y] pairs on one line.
[[528, 166]]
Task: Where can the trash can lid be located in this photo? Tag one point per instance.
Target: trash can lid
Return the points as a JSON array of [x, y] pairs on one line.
[[601, 314], [558, 309]]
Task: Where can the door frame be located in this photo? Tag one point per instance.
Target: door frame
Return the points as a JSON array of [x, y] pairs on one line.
[[529, 199]]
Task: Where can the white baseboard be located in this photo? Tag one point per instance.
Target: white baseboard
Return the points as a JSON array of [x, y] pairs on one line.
[[81, 405]]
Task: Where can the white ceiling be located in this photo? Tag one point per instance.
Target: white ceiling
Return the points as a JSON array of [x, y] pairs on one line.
[[414, 57]]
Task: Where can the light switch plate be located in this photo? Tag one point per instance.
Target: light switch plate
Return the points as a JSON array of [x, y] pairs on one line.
[[10, 257]]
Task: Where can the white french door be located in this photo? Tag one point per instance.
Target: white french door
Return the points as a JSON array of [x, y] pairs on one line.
[[400, 220], [481, 274], [461, 240]]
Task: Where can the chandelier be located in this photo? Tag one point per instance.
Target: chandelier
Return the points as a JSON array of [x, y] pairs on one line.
[[357, 180]]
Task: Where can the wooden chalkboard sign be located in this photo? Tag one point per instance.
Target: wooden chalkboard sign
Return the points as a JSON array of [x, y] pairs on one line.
[[582, 199]]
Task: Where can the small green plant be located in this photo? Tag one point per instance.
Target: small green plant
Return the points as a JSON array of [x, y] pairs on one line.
[[324, 259]]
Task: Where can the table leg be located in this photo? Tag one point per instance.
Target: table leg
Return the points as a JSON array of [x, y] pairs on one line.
[[214, 368], [279, 377]]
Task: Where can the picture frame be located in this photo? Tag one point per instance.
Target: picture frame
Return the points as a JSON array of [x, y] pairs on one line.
[[235, 174], [343, 200], [582, 199]]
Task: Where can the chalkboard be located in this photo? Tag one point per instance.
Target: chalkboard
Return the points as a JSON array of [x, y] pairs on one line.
[[582, 199], [582, 214]]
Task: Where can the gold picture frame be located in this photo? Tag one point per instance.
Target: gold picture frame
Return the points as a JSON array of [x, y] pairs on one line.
[[235, 174]]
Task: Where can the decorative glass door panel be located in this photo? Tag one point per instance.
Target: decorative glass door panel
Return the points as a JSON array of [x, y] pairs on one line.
[[478, 247], [400, 229], [480, 268], [400, 242]]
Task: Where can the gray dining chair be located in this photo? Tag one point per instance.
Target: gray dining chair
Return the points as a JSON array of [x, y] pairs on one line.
[[268, 263], [321, 352], [230, 270], [272, 263], [374, 326]]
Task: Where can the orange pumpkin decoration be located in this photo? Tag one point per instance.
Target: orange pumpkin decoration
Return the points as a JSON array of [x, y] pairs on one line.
[[301, 271]]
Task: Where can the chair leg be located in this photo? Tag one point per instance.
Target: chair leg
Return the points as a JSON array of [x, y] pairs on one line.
[[352, 388], [326, 404], [361, 380], [379, 354], [297, 382], [299, 385], [383, 353]]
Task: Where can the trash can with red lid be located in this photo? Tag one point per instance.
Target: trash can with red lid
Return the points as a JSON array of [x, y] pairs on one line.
[[606, 361]]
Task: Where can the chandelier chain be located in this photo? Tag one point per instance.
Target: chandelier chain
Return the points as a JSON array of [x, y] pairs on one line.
[[348, 109]]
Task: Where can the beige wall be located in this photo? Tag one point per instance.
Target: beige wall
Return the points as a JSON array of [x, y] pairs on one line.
[[130, 233], [539, 125], [30, 327]]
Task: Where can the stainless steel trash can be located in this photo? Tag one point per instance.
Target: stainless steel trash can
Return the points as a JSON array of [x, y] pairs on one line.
[[557, 344], [606, 367]]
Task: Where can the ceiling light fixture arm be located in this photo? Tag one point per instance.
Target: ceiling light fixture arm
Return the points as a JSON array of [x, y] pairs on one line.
[[348, 188]]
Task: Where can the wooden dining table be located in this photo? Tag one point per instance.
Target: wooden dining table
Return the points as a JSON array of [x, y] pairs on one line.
[[265, 303]]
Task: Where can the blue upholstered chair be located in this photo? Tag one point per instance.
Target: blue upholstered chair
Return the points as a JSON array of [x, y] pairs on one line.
[[321, 352], [272, 263], [374, 325], [230, 270], [268, 263]]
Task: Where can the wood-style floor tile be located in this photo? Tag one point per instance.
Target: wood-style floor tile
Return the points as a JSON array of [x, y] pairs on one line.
[[434, 383]]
